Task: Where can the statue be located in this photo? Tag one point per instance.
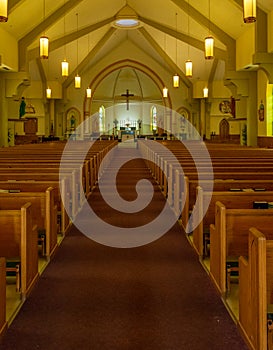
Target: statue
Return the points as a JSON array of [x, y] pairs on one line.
[[72, 122], [22, 109]]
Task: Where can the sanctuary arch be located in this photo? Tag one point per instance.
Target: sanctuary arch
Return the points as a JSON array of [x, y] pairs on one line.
[[102, 77]]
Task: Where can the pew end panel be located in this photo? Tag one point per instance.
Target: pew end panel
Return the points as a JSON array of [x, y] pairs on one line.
[[3, 321], [252, 290], [218, 248], [18, 240]]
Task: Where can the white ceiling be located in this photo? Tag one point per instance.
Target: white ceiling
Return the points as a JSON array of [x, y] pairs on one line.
[[177, 27]]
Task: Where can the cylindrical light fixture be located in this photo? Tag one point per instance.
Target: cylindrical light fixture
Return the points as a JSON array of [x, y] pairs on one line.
[[165, 92], [43, 47], [188, 65], [64, 68], [209, 43], [176, 81], [77, 81], [205, 92], [88, 92], [249, 7], [48, 92], [3, 10]]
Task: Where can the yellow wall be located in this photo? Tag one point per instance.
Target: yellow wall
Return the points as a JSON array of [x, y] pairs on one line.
[[8, 50], [245, 48], [270, 31]]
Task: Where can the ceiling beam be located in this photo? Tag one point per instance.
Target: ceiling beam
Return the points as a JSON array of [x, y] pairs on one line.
[[198, 44], [84, 63], [165, 57], [56, 44], [40, 28]]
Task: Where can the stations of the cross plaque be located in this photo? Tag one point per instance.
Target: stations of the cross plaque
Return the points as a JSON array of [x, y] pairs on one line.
[[127, 95]]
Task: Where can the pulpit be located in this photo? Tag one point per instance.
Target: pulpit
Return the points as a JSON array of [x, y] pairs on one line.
[[24, 130]]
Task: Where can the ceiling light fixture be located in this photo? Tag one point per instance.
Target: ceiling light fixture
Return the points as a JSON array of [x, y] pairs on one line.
[[249, 7], [126, 18], [44, 43], [188, 63], [77, 77], [3, 10], [209, 42], [64, 62], [176, 76]]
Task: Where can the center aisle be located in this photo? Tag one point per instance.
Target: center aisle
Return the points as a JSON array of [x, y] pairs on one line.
[[96, 297]]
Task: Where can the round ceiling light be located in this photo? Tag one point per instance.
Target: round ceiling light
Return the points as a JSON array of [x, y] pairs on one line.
[[127, 23]]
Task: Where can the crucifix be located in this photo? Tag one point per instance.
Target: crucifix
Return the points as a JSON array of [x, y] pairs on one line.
[[127, 95]]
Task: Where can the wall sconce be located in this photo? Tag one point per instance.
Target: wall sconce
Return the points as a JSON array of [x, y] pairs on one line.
[[88, 92], [3, 10], [249, 7]]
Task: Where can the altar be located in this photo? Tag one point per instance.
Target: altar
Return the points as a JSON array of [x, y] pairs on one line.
[[127, 135]]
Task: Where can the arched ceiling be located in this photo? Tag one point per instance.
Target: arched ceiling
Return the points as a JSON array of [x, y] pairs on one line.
[[171, 31]]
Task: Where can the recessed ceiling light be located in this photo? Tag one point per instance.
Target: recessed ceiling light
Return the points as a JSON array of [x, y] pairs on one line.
[[127, 18], [127, 22]]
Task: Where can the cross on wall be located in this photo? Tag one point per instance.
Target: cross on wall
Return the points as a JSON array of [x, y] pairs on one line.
[[127, 95]]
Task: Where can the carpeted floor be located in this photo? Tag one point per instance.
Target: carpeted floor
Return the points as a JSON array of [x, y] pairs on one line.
[[95, 297]]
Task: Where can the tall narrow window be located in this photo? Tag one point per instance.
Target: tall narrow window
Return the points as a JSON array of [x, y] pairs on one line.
[[154, 118], [102, 119]]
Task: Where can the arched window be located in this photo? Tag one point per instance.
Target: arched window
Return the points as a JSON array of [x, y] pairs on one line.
[[154, 118], [102, 119]]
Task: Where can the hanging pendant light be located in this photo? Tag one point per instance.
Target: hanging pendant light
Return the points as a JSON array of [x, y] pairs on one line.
[[64, 63], [249, 7], [44, 43], [48, 92], [64, 68], [188, 68], [165, 92], [88, 92], [176, 81], [176, 76], [77, 81], [3, 10], [209, 42], [188, 63], [205, 92], [77, 77]]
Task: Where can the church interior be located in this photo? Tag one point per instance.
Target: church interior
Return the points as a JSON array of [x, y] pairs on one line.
[[173, 97]]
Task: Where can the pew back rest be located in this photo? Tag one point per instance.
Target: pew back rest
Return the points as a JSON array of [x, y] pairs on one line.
[[38, 201], [238, 222]]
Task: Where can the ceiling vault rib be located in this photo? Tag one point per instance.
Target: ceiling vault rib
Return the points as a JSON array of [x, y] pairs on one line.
[[56, 44], [198, 44], [40, 28], [163, 54], [84, 63]]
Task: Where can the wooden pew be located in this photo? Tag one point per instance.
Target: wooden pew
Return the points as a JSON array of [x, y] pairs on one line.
[[62, 201], [3, 321], [256, 291], [18, 240], [44, 211], [204, 211], [229, 238]]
